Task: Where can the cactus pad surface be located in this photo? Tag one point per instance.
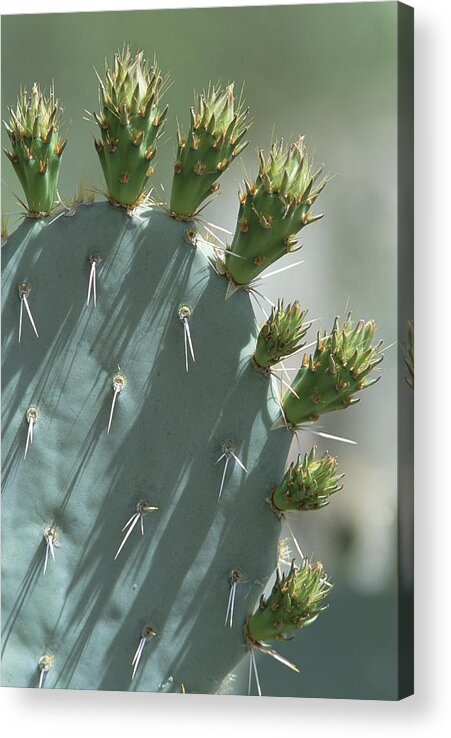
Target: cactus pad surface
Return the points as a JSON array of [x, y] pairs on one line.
[[167, 431]]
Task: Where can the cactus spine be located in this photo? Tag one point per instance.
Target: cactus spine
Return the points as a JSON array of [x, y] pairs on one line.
[[140, 406]]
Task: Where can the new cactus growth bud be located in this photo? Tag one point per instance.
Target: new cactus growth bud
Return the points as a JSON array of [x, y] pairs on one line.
[[215, 138], [409, 355], [296, 600], [308, 484], [281, 335], [273, 210], [339, 367], [37, 147], [130, 122]]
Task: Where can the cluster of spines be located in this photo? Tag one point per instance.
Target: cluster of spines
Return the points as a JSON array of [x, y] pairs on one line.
[[130, 122], [273, 209], [281, 335], [330, 377], [308, 483], [37, 147], [295, 601], [218, 126]]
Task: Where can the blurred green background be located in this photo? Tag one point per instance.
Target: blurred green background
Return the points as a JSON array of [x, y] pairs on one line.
[[329, 72]]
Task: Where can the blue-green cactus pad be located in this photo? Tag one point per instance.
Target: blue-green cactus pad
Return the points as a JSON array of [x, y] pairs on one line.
[[166, 434]]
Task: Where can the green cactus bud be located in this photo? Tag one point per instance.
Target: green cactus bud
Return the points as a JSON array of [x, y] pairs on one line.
[[130, 122], [409, 354], [36, 148], [308, 484], [281, 335], [218, 126], [295, 601], [329, 379], [273, 209]]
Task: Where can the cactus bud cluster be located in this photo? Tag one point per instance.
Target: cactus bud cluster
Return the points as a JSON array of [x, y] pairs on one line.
[[215, 138], [339, 367], [130, 122], [37, 147], [295, 601], [308, 483], [273, 209], [281, 335]]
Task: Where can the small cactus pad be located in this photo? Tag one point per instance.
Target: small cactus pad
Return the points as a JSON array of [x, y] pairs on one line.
[[130, 122], [37, 147], [295, 601], [308, 483], [329, 379], [281, 335], [273, 209], [215, 138]]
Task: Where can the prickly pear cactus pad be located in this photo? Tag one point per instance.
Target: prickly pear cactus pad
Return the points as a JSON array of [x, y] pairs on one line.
[[167, 433], [146, 418]]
